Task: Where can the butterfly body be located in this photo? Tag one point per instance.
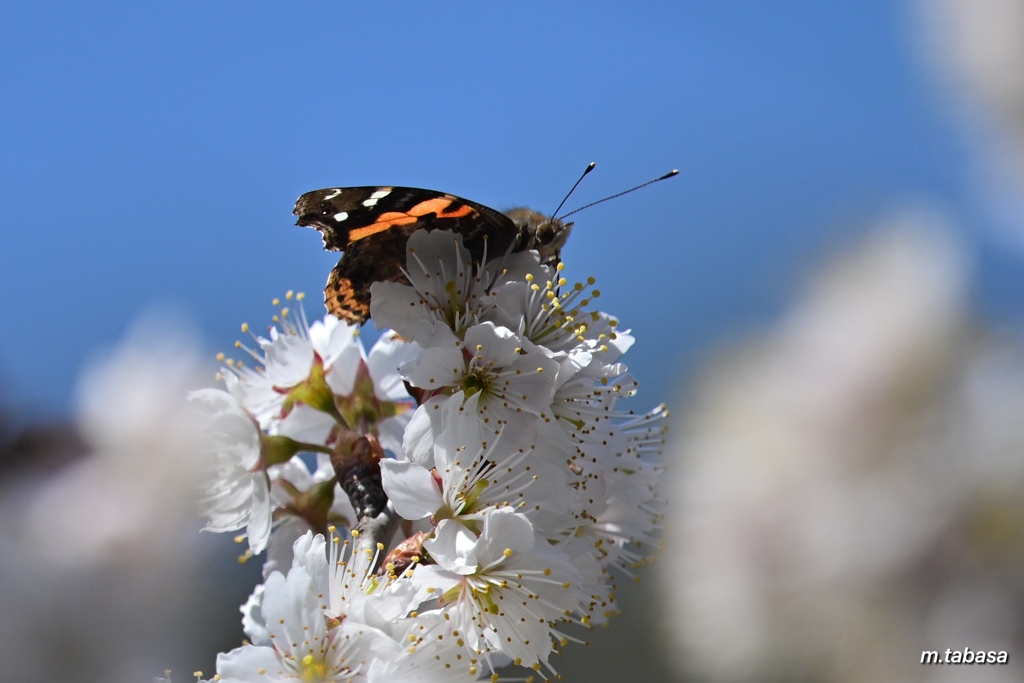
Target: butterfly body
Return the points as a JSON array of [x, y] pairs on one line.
[[371, 225]]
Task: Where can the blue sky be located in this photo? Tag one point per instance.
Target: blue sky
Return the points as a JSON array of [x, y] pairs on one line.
[[152, 153]]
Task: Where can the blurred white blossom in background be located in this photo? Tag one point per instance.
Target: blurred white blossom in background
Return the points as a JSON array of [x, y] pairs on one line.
[[976, 49], [102, 574], [847, 490]]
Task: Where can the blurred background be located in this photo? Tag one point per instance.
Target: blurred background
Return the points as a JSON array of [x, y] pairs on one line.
[[828, 297]]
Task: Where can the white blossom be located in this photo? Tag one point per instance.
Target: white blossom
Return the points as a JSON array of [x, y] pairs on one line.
[[236, 494], [445, 290], [298, 364], [299, 634], [505, 590], [473, 470]]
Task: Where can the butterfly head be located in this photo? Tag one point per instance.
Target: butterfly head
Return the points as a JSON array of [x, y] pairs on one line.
[[537, 231]]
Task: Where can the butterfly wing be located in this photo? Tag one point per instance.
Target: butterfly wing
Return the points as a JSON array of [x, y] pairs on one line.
[[345, 215], [371, 226]]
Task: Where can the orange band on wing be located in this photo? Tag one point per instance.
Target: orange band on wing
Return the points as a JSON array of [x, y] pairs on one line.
[[386, 221], [459, 212], [437, 206]]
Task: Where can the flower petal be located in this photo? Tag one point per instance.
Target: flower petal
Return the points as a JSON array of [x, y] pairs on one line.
[[436, 368], [423, 429], [453, 547], [411, 489], [385, 358], [258, 529]]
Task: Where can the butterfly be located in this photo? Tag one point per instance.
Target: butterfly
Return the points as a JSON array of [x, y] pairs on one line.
[[371, 226]]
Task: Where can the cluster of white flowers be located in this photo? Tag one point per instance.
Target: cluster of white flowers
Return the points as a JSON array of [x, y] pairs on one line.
[[484, 428]]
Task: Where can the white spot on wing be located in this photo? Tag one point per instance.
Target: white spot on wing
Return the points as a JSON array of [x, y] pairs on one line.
[[334, 193], [378, 195], [340, 216]]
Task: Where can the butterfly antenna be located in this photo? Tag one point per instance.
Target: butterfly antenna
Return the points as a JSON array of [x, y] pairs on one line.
[[668, 175], [590, 168]]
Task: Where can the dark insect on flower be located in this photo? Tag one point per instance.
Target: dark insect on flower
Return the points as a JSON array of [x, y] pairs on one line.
[[371, 225]]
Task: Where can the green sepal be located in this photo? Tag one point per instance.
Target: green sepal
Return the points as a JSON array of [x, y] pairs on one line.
[[276, 450]]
